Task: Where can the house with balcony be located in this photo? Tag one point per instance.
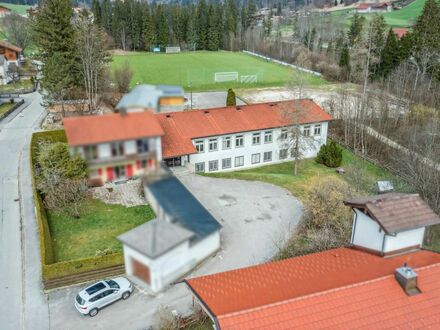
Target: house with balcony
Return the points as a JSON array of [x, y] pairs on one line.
[[116, 146], [137, 138]]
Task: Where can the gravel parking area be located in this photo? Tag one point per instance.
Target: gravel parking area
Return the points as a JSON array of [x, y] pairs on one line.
[[256, 217], [207, 100]]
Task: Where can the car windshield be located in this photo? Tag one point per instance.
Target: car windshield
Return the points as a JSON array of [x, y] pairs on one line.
[[80, 300], [95, 288], [112, 284]]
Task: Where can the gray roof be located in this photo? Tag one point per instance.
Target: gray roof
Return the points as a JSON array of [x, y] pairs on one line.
[[156, 237], [182, 207], [147, 96]]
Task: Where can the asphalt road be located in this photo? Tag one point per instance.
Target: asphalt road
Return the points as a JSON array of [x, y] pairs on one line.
[[23, 305]]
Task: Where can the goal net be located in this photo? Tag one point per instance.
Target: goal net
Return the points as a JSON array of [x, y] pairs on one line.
[[249, 79], [225, 76], [171, 50]]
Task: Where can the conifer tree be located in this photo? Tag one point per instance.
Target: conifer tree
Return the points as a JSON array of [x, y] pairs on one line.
[[230, 98], [54, 36], [389, 58]]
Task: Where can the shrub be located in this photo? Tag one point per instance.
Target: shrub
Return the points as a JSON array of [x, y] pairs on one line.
[[230, 99], [122, 77], [330, 154], [326, 222]]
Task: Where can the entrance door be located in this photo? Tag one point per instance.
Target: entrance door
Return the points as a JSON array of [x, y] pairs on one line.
[[172, 162], [141, 271]]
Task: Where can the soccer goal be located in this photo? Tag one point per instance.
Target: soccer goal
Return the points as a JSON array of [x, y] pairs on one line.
[[172, 50], [225, 76], [249, 79]]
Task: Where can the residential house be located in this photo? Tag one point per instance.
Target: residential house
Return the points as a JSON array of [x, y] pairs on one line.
[[390, 223], [340, 288], [4, 11], [10, 52], [363, 8], [400, 32], [213, 140], [158, 98], [116, 146], [183, 235]]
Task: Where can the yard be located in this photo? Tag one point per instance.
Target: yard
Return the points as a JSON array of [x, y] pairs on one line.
[[19, 9], [199, 68], [95, 231], [5, 107], [365, 175], [24, 84]]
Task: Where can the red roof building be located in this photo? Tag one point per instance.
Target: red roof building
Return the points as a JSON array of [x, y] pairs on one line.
[[400, 32], [9, 51], [340, 288], [87, 130], [181, 127]]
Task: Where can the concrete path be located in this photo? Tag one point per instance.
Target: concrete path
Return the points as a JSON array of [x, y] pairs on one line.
[[24, 306], [256, 218]]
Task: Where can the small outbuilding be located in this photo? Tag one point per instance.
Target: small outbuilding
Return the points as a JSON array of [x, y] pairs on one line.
[[391, 223], [184, 233]]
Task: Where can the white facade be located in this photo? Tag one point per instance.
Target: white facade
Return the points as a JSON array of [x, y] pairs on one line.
[[367, 233], [172, 265], [236, 155]]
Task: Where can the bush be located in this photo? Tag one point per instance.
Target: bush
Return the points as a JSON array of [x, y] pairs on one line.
[[122, 77], [230, 99], [61, 179], [330, 154], [326, 223]]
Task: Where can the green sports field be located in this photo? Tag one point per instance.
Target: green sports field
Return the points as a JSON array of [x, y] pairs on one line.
[[406, 16], [199, 68], [19, 9]]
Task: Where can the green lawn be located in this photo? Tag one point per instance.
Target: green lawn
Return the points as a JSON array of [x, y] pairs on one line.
[[5, 107], [198, 68], [95, 231], [17, 86], [406, 16], [19, 9], [282, 175]]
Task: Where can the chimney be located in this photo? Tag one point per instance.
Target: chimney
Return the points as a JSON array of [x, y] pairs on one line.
[[238, 107], [407, 279]]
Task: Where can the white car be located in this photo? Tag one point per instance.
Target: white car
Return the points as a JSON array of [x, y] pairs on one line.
[[93, 298]]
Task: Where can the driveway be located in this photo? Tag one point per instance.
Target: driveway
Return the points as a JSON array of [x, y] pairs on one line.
[[207, 100], [256, 218]]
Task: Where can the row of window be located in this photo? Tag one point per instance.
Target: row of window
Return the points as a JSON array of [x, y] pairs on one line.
[[117, 149], [226, 163], [256, 139]]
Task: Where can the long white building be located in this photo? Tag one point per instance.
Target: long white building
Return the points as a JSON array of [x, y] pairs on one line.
[[132, 142]]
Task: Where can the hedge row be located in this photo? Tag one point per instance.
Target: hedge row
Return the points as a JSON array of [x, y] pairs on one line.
[[50, 268]]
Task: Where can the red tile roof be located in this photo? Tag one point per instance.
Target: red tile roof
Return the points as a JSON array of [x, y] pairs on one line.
[[181, 127], [277, 283], [400, 32], [6, 44], [113, 127], [376, 304]]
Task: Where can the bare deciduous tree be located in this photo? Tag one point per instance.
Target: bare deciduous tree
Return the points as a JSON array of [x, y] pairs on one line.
[[92, 57], [16, 29]]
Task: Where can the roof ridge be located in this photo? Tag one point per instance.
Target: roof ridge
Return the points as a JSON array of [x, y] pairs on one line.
[[316, 294]]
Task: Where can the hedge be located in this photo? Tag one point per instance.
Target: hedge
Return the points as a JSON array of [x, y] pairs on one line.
[[50, 268]]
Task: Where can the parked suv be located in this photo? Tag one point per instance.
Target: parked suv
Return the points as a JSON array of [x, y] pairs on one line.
[[93, 298]]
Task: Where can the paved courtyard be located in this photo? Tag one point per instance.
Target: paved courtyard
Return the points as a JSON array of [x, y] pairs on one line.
[[256, 218]]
